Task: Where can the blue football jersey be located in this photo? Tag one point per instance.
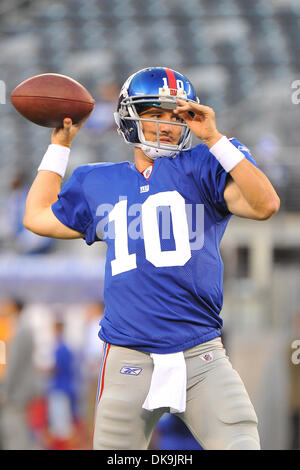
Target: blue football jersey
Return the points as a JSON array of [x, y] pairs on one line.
[[163, 288]]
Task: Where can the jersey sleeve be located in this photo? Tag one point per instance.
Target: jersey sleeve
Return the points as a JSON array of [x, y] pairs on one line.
[[213, 179], [72, 208]]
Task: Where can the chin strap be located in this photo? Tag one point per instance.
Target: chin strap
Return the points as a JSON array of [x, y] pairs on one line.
[[154, 153]]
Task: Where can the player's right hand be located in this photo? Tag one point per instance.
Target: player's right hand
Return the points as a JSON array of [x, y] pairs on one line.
[[65, 135]]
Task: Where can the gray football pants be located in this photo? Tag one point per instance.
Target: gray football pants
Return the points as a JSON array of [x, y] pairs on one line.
[[218, 412]]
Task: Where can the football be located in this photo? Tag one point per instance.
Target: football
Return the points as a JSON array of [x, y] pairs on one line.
[[48, 98]]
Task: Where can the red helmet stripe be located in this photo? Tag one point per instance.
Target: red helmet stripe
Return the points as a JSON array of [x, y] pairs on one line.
[[171, 79]]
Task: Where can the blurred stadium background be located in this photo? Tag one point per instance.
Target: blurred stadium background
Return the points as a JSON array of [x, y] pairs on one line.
[[244, 60]]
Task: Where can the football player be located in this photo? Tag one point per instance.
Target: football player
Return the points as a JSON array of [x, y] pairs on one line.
[[162, 218]]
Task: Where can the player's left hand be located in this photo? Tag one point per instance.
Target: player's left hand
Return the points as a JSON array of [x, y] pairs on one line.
[[203, 124]]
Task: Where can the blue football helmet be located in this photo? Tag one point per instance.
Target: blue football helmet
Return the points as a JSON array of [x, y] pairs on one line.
[[153, 86]]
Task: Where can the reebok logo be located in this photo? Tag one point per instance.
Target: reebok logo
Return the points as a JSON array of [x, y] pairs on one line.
[[131, 370]]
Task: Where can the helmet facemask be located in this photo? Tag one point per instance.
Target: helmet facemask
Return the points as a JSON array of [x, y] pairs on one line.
[[154, 149]]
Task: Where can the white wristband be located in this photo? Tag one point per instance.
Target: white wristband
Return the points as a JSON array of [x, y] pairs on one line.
[[226, 153], [55, 159]]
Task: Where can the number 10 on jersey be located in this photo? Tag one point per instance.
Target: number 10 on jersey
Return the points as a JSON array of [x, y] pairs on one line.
[[124, 261]]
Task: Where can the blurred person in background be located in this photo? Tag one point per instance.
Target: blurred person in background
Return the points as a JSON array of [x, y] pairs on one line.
[[161, 325], [7, 328], [62, 394], [19, 385], [100, 128], [91, 359], [7, 331], [21, 239], [102, 118], [268, 149]]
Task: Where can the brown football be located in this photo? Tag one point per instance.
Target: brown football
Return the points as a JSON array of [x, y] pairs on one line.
[[48, 98]]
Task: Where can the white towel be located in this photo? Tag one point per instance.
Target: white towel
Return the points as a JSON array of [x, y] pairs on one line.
[[168, 383]]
